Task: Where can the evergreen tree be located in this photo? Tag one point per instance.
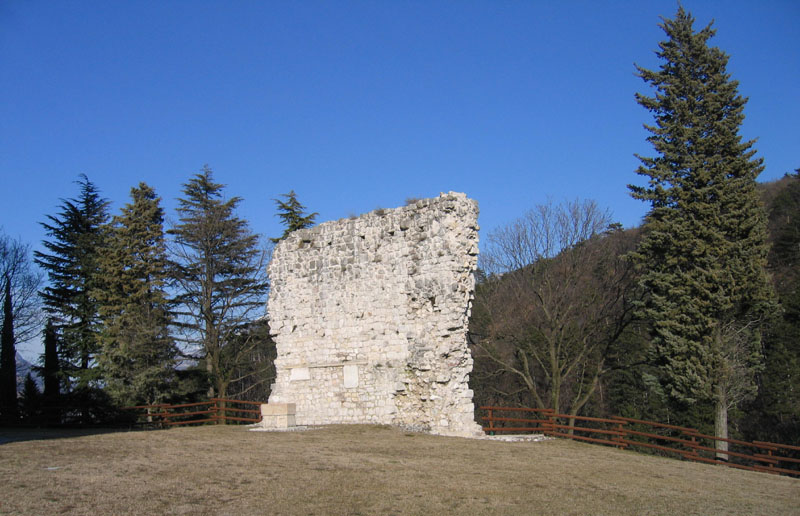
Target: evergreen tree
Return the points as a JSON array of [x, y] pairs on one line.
[[137, 355], [704, 250], [50, 374], [220, 274], [30, 402], [292, 215], [72, 265], [9, 408]]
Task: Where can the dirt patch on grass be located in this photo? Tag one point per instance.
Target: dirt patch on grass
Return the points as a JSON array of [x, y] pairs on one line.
[[364, 470]]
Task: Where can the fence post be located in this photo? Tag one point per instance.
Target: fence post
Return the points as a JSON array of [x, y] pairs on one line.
[[694, 452], [491, 422], [619, 437]]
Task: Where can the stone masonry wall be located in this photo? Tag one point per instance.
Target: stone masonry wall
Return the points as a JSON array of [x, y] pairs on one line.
[[370, 317]]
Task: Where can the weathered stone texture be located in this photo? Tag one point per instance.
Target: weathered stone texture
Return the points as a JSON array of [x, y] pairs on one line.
[[370, 317], [277, 415]]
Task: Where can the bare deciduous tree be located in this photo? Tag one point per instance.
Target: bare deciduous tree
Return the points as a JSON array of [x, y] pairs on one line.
[[555, 301], [15, 264]]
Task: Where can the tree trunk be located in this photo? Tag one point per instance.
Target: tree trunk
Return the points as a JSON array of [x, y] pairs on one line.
[[555, 375], [721, 423], [222, 392], [571, 425], [210, 370]]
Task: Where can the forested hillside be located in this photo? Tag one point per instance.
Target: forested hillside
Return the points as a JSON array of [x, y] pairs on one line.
[[561, 332], [692, 318]]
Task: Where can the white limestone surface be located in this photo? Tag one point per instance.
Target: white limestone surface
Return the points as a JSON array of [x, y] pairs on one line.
[[370, 316]]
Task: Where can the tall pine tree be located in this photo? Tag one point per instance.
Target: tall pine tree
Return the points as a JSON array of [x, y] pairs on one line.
[[220, 273], [72, 264], [137, 357], [704, 251], [293, 215]]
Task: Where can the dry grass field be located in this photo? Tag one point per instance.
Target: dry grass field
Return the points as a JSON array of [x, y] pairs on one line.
[[361, 470]]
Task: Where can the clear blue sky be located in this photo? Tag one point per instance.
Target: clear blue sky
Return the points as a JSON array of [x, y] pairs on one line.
[[359, 105]]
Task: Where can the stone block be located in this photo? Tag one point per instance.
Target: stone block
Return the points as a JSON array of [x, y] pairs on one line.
[[278, 415], [278, 409], [350, 375], [299, 373]]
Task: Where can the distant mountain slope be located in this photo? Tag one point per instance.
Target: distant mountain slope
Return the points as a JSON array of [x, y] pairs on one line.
[[23, 368]]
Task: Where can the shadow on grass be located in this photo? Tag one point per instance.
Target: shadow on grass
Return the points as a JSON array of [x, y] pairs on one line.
[[9, 434]]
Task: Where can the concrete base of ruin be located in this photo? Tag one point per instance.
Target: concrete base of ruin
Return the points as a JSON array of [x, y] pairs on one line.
[[277, 416]]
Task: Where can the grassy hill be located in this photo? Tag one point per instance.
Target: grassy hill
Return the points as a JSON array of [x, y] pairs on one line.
[[361, 470]]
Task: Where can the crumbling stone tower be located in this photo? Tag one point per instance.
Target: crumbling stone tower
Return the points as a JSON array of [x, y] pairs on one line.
[[370, 317]]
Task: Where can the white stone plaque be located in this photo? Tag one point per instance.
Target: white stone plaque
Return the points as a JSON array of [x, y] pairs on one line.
[[350, 376], [299, 373]]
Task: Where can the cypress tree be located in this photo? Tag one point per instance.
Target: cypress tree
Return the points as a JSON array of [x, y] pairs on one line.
[[704, 251], [137, 354], [220, 275], [50, 374], [293, 215], [72, 265], [9, 407]]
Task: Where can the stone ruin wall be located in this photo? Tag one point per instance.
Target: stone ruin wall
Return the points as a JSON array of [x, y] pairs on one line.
[[370, 317]]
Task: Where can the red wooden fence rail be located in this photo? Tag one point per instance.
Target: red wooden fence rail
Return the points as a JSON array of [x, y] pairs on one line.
[[215, 410], [623, 432]]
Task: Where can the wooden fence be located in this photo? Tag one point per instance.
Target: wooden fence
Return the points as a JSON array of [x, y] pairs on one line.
[[664, 439], [215, 410]]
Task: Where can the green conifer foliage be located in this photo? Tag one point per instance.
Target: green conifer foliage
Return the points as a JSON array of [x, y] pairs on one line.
[[704, 251], [137, 357], [72, 264], [220, 274], [50, 374], [30, 401], [292, 215]]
